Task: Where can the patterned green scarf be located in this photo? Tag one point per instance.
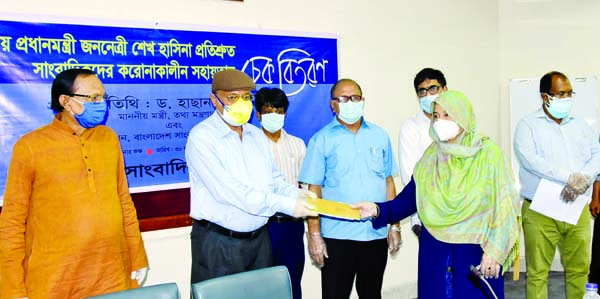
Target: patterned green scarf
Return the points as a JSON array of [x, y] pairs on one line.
[[465, 190]]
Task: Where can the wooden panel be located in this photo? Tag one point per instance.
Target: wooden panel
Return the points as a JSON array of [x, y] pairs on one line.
[[157, 223], [163, 209]]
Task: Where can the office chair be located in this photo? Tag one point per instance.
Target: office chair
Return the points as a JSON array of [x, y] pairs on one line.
[[159, 291], [273, 282]]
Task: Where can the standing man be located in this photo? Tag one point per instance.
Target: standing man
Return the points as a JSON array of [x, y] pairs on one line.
[[350, 160], [286, 232], [235, 185], [414, 138], [69, 228], [551, 144]]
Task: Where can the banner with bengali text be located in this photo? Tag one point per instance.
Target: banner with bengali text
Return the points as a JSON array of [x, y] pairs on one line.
[[158, 82]]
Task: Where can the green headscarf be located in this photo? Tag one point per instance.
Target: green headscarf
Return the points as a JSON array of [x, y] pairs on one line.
[[465, 190]]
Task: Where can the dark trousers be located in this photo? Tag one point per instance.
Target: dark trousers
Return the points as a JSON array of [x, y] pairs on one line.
[[594, 275], [287, 242], [444, 271], [365, 260], [216, 255]]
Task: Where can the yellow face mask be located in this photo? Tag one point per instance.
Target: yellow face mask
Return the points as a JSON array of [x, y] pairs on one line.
[[237, 113]]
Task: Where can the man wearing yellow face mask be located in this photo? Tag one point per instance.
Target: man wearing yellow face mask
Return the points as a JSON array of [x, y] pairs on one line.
[[235, 185]]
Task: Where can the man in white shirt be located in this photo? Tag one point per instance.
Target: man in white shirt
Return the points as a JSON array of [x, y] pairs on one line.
[[414, 138], [235, 185], [554, 145], [286, 232]]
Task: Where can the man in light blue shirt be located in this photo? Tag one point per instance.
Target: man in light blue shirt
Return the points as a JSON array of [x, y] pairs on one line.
[[235, 185], [551, 144], [350, 160]]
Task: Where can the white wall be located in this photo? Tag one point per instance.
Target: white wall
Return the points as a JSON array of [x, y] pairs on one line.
[[537, 36], [479, 44]]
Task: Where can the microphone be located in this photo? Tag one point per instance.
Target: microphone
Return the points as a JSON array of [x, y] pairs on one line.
[[475, 271], [478, 273]]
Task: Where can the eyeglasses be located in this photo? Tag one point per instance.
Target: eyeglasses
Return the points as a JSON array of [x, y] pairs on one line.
[[433, 89], [562, 94], [343, 99], [93, 99], [234, 97]]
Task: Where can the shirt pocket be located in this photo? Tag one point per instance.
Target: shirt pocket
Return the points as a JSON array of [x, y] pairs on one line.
[[376, 160], [332, 171]]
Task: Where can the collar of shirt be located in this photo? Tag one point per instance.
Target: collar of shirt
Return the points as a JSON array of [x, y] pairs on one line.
[[282, 138], [336, 123], [65, 129], [221, 127], [422, 118], [541, 114]]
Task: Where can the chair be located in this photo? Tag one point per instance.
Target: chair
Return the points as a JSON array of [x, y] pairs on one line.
[[273, 282], [159, 291]]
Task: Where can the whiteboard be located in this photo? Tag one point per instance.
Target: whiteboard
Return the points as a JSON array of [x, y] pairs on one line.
[[525, 98]]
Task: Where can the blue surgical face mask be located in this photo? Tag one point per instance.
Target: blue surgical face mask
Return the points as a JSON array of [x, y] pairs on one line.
[[272, 122], [351, 112], [426, 103], [93, 114], [559, 108]]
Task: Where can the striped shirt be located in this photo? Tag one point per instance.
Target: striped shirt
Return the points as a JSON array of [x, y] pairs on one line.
[[288, 153]]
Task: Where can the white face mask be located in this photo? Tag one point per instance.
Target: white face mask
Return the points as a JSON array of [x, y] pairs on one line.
[[446, 129], [559, 108], [351, 112], [272, 122]]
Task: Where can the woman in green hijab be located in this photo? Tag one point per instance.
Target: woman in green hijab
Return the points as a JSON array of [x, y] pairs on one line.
[[464, 193]]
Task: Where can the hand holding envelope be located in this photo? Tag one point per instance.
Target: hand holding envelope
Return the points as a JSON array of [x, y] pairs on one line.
[[334, 209], [303, 207]]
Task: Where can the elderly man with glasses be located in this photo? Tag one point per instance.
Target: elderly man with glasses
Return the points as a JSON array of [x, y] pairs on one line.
[[350, 160], [235, 185], [69, 228]]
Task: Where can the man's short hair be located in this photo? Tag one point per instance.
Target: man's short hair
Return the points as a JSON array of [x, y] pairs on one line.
[[340, 81], [546, 81], [431, 74], [271, 97], [63, 84]]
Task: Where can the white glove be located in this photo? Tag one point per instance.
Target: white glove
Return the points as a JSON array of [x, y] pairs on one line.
[[367, 209], [304, 209], [394, 239], [140, 275], [568, 194], [317, 249], [579, 182], [306, 194]]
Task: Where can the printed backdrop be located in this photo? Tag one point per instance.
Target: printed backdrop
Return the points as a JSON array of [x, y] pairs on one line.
[[158, 82]]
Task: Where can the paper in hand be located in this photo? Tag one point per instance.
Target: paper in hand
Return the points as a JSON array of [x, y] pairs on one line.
[[334, 209]]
